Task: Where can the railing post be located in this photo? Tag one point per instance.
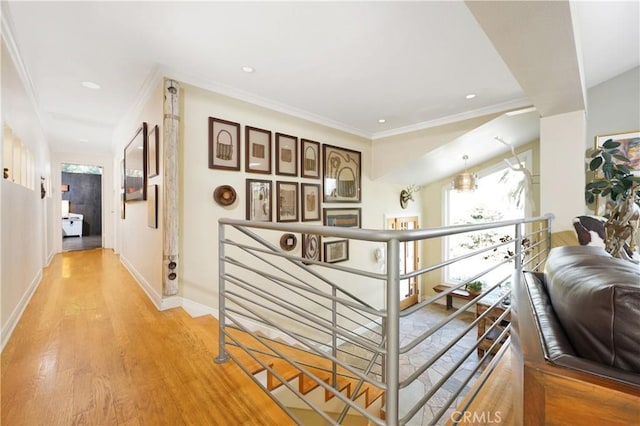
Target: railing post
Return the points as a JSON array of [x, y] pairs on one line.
[[222, 353], [334, 338], [392, 364]]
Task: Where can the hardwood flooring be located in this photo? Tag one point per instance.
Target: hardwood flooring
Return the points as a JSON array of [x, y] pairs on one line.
[[92, 349]]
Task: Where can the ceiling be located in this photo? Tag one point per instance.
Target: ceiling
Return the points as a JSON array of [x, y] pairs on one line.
[[344, 64]]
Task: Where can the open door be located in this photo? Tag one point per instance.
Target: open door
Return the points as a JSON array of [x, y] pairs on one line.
[[408, 260]]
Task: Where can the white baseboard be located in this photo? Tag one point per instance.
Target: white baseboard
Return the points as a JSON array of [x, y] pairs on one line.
[[10, 325], [196, 309], [153, 295]]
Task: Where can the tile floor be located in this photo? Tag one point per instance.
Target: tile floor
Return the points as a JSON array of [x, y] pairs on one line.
[[411, 327], [81, 243]]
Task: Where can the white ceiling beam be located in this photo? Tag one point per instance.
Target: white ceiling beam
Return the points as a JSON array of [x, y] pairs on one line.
[[539, 44]]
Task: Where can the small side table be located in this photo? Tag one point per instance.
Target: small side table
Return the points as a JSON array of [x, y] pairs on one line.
[[486, 323]]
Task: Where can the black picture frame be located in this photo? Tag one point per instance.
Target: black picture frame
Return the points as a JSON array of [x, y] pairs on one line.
[[153, 161], [257, 150], [286, 155], [259, 200], [135, 166], [224, 144], [287, 201], [342, 178], [336, 251], [347, 217], [152, 206], [310, 202], [310, 159]]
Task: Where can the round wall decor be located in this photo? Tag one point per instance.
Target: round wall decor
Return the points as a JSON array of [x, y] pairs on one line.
[[224, 195], [288, 242]]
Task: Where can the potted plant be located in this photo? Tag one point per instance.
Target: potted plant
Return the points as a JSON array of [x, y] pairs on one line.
[[616, 183], [474, 287]]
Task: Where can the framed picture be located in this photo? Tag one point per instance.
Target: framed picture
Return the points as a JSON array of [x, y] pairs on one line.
[[309, 159], [224, 144], [310, 201], [342, 179], [629, 147], [287, 155], [336, 251], [347, 218], [123, 206], [287, 201], [152, 152], [135, 167], [152, 206], [257, 150], [311, 247], [259, 200]]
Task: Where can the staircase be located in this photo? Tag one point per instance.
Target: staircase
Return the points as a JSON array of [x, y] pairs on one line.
[[272, 371]]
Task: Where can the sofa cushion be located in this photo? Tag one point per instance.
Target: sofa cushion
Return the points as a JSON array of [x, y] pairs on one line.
[[596, 298]]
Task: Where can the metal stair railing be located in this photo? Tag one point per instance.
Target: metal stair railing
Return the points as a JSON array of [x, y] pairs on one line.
[[345, 321]]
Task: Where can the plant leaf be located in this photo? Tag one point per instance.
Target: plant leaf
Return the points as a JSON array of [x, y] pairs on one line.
[[621, 157], [606, 156], [610, 144], [595, 163]]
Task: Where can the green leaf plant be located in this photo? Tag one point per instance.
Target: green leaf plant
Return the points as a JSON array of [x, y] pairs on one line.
[[613, 180]]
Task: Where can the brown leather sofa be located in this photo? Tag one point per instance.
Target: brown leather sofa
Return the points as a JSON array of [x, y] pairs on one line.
[[576, 339]]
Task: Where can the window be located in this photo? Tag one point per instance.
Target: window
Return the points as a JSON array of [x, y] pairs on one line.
[[501, 195]]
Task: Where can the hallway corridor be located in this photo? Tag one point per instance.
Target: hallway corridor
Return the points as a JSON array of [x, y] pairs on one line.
[[92, 349]]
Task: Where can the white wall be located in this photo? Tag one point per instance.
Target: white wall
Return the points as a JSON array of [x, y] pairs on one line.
[[139, 245], [25, 237], [614, 106], [199, 212]]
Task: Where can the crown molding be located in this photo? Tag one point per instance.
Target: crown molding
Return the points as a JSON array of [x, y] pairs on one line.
[[263, 102]]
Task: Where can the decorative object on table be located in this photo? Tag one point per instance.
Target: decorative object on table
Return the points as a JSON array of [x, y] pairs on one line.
[[311, 247], [336, 251], [286, 155], [287, 201], [343, 217], [465, 181], [310, 201], [406, 195], [474, 287], [342, 175], [135, 167], [288, 242], [152, 206], [152, 152], [224, 144], [257, 150], [309, 159], [224, 195], [617, 180], [259, 200]]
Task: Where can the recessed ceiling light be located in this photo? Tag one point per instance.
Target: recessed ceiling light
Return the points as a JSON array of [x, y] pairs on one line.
[[470, 96], [382, 120], [90, 85], [248, 69], [83, 140]]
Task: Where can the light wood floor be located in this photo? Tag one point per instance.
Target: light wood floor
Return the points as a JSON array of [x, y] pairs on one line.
[[91, 349]]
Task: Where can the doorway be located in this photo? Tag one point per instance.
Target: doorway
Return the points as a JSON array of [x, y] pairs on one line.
[[408, 260], [81, 206]]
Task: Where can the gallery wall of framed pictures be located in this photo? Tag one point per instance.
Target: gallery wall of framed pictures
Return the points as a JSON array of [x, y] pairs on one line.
[[305, 174]]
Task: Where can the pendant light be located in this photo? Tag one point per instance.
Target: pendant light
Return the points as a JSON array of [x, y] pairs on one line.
[[465, 182]]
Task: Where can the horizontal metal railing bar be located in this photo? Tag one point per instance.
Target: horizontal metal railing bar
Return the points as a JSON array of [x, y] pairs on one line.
[[373, 275], [409, 346], [319, 352], [378, 235], [300, 313], [436, 386], [457, 417], [298, 262], [454, 395], [363, 307], [282, 380], [455, 259], [314, 301], [425, 366], [454, 287]]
